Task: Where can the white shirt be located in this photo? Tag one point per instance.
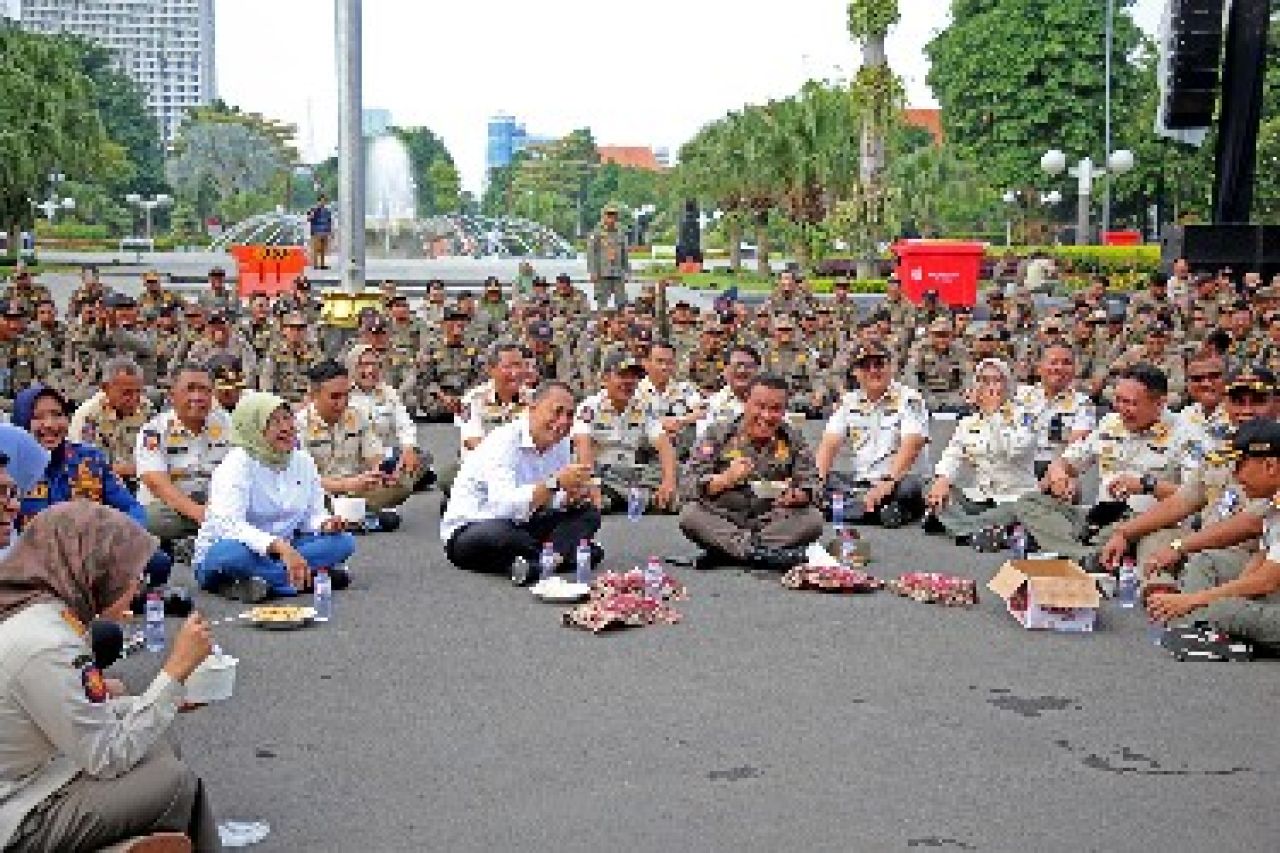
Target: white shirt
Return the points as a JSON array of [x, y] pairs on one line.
[[497, 479], [722, 407], [386, 412], [873, 430], [1159, 450], [616, 435], [482, 413], [996, 451], [1077, 413], [254, 504], [165, 446]]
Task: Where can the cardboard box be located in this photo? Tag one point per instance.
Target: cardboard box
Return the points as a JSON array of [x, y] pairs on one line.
[[1056, 595]]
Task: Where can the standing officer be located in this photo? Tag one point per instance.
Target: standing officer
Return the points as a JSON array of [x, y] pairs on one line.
[[750, 485], [607, 262]]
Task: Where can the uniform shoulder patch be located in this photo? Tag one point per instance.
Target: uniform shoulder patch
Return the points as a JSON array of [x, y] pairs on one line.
[[95, 686]]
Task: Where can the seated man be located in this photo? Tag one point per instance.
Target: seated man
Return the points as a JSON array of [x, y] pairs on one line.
[[519, 489], [1248, 606], [177, 451], [494, 402], [347, 450], [1061, 414], [113, 417], [617, 435], [750, 485], [1139, 452], [936, 367], [678, 403], [886, 426], [727, 404], [1229, 524]]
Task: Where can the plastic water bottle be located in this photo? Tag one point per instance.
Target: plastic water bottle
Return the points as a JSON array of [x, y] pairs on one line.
[[1018, 542], [323, 588], [1127, 586], [584, 561], [653, 579], [848, 548], [154, 632], [635, 503], [837, 509], [547, 562]]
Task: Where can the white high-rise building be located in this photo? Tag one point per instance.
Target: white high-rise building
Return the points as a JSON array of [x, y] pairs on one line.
[[165, 45]]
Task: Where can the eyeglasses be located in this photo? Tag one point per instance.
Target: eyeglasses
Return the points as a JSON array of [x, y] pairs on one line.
[[1244, 397], [873, 363], [1204, 377]]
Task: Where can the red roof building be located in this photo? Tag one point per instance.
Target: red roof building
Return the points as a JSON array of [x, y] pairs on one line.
[[630, 156], [926, 119]]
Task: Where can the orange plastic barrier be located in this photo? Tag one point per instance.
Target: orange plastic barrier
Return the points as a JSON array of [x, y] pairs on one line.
[[267, 269]]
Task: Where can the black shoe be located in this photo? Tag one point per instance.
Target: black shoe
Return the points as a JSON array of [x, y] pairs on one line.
[[522, 572], [709, 560], [892, 516], [388, 520], [778, 559], [931, 524], [250, 590], [177, 602], [340, 577]]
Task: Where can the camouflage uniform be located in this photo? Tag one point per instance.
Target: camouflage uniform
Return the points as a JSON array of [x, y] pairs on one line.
[[96, 423], [623, 442], [939, 376], [284, 371], [607, 265], [446, 371]]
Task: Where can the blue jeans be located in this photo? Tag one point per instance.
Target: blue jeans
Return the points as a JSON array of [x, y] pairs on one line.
[[229, 560]]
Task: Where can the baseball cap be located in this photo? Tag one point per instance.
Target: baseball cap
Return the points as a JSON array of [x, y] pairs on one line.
[[453, 314], [151, 277], [541, 331], [1252, 378], [611, 207], [1259, 437], [217, 317], [871, 349], [617, 362], [227, 372]]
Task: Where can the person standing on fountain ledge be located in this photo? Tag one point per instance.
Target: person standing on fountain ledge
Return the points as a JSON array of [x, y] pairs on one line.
[[320, 220], [607, 263]]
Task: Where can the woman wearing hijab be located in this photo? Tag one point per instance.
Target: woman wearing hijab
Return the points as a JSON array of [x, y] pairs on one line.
[[81, 769], [381, 404], [266, 529], [990, 460], [22, 462], [75, 471]]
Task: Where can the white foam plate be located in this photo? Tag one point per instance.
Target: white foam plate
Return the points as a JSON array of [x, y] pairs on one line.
[[560, 590]]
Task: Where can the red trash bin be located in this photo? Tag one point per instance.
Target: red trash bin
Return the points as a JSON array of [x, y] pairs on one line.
[[950, 267]]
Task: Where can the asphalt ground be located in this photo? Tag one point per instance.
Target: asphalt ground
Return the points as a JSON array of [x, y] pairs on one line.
[[443, 710]]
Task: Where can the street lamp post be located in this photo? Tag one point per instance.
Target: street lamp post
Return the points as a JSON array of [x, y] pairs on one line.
[[51, 205], [1054, 162], [148, 205]]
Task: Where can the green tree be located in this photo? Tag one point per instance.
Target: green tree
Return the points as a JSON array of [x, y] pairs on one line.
[[1018, 77], [122, 107], [48, 122], [425, 150], [446, 184]]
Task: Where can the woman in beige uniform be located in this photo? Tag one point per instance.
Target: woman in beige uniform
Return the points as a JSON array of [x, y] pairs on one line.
[[81, 765]]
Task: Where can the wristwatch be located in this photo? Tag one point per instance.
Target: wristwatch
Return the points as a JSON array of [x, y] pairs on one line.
[[1149, 484], [552, 483]]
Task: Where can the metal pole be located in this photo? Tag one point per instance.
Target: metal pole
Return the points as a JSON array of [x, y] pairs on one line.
[[1106, 198], [350, 145], [1084, 190]]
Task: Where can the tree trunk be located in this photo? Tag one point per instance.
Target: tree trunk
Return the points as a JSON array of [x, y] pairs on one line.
[[734, 231], [800, 248], [762, 244]]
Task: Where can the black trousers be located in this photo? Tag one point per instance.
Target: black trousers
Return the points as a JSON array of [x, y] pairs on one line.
[[908, 494], [491, 546]]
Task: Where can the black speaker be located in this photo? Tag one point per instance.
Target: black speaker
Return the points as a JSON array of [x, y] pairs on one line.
[[1194, 49], [1209, 248]]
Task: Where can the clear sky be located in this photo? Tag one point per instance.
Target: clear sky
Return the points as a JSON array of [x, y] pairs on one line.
[[649, 78]]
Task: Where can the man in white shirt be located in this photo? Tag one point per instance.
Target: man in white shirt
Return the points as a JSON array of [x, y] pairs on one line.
[[1060, 413], [885, 426], [519, 489], [728, 404]]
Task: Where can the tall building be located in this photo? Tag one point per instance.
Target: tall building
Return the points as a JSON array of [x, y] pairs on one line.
[[375, 121], [507, 137], [164, 45]]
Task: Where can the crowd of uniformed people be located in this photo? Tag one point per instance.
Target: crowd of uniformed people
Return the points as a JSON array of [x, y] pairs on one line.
[[216, 431]]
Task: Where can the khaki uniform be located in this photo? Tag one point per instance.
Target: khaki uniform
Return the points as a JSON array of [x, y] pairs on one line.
[[139, 344], [1056, 419], [284, 371], [446, 371], [623, 442], [18, 367], [736, 521], [97, 424], [607, 265], [1170, 362], [707, 372], [203, 351], [348, 447], [571, 305], [165, 446], [990, 463], [227, 301], [799, 366], [259, 337]]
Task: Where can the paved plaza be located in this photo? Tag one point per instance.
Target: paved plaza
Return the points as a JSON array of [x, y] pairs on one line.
[[449, 711]]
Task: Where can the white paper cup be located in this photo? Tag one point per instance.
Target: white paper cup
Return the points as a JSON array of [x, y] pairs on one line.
[[796, 419], [213, 681], [351, 510]]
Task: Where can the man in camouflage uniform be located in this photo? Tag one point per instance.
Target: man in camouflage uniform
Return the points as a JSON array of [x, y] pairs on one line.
[[705, 367], [683, 331], [620, 436], [18, 353], [154, 296], [125, 334], [493, 314], [258, 330], [284, 371], [447, 370], [936, 367], [111, 418], [49, 337], [787, 297], [219, 340], [26, 292], [750, 485], [1156, 351], [844, 310], [89, 291], [607, 262], [797, 364], [405, 341]]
